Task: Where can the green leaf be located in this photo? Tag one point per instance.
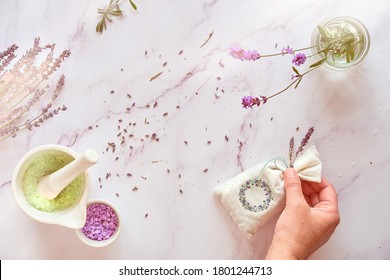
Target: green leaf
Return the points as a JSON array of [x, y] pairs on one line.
[[113, 10], [116, 13], [352, 52], [101, 11], [99, 28], [104, 25], [300, 79], [348, 55], [318, 63], [323, 34], [296, 71], [101, 25], [348, 38], [133, 5]]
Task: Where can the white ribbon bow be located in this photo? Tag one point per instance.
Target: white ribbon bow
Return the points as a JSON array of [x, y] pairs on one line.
[[308, 165]]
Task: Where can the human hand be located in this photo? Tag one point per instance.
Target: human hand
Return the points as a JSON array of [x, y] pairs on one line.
[[308, 221]]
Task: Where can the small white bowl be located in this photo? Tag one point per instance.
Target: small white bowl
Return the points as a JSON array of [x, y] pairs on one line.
[[101, 243]]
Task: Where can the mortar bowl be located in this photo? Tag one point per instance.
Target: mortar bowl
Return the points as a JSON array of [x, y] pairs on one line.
[[73, 216]]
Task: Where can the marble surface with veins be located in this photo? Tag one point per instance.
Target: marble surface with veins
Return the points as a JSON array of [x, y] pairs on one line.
[[182, 133]]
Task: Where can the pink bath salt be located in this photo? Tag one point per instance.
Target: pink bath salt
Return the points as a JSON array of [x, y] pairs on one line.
[[101, 223]]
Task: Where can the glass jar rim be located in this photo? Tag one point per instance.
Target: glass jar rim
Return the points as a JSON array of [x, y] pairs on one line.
[[358, 25]]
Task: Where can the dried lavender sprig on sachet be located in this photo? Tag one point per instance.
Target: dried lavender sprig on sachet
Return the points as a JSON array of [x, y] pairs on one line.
[[304, 141], [290, 154]]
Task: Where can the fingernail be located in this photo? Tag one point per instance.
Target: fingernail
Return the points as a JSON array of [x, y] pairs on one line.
[[289, 173]]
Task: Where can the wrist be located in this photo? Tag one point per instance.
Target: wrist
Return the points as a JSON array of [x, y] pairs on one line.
[[285, 250], [279, 253]]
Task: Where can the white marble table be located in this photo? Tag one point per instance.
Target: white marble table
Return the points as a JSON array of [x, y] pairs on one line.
[[189, 130]]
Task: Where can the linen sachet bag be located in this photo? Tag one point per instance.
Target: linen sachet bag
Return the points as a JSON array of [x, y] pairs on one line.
[[256, 195]]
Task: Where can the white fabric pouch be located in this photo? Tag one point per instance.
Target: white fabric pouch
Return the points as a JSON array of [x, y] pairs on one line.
[[256, 195]]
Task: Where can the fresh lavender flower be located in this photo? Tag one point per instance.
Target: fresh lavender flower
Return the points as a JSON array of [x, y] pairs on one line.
[[241, 54], [293, 76], [250, 101], [330, 47], [299, 59], [287, 50], [247, 102]]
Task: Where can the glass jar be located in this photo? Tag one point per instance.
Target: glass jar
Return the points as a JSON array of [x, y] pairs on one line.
[[341, 41]]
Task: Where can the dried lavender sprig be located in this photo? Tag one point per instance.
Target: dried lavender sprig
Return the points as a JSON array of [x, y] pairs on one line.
[[7, 56], [9, 51], [60, 84], [290, 155], [16, 78], [13, 129], [57, 63], [24, 61], [8, 131], [16, 113], [24, 72], [44, 115], [304, 141], [21, 87], [21, 83]]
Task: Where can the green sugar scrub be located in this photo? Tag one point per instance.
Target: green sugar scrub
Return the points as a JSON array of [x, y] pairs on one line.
[[45, 164]]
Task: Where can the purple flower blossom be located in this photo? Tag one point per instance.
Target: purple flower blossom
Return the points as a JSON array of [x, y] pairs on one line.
[[250, 101], [247, 102], [287, 50], [294, 76], [241, 54], [299, 59]]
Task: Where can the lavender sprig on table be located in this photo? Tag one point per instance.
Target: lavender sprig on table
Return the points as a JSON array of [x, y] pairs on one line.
[[22, 85], [332, 47]]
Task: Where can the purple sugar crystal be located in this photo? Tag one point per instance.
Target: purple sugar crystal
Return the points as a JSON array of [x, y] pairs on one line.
[[101, 223]]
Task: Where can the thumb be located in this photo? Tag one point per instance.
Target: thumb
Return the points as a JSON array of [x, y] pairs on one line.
[[292, 186]]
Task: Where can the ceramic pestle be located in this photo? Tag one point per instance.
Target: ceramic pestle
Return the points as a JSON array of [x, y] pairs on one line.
[[51, 185]]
